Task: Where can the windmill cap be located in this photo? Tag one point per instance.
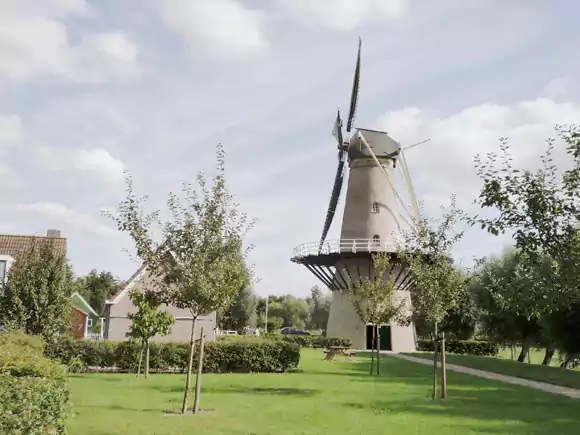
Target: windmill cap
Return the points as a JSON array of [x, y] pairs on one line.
[[379, 141]]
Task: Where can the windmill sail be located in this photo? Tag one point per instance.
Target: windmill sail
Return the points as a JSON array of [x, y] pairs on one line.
[[338, 181], [355, 88], [337, 130]]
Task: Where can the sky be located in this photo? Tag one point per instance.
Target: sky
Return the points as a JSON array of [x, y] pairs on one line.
[[89, 89]]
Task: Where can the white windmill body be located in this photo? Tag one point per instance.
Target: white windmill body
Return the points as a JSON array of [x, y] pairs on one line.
[[373, 220]]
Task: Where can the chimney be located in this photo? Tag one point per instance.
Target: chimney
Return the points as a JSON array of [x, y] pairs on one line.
[[52, 233]]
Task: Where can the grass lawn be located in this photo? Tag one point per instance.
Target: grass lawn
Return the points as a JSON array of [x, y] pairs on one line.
[[535, 372], [328, 398]]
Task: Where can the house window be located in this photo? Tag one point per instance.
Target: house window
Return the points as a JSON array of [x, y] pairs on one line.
[[376, 240], [375, 207], [89, 322], [2, 271]]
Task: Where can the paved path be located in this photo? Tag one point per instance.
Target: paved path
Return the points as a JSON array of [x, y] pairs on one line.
[[550, 388]]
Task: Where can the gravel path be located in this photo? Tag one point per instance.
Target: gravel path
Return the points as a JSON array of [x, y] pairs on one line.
[[550, 388]]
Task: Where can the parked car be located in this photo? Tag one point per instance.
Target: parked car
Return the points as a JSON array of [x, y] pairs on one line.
[[289, 330]]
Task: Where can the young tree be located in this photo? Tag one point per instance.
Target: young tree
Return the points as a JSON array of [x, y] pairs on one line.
[[438, 286], [199, 259], [147, 322], [37, 296], [542, 209], [376, 301]]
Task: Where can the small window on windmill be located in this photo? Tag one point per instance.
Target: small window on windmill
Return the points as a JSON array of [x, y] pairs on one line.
[[375, 207], [376, 240]]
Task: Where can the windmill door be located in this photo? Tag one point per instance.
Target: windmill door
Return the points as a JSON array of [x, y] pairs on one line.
[[385, 337]]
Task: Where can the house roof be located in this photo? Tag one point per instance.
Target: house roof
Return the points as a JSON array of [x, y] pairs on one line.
[[129, 284], [17, 246], [85, 303]]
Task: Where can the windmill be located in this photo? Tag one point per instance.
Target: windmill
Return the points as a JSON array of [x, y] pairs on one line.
[[373, 220]]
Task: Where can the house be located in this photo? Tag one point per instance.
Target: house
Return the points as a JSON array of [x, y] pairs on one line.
[[13, 247], [117, 323], [93, 321], [78, 323]]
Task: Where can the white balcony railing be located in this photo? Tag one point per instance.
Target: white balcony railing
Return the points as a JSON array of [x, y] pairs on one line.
[[343, 245]]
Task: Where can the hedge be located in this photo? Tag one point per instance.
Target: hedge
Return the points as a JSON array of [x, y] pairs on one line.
[[463, 347], [223, 356], [34, 394], [315, 341]]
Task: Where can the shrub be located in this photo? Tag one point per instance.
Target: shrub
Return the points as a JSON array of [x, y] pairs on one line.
[[316, 341], [247, 354], [34, 395], [463, 347]]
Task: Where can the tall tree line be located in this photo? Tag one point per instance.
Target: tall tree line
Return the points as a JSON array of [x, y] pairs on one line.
[[248, 309]]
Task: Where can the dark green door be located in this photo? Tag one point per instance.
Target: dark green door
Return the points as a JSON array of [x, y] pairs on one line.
[[386, 337]]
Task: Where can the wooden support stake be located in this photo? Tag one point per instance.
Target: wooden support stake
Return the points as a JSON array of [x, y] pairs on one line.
[[198, 376]]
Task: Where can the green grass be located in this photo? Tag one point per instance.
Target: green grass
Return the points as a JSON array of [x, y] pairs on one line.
[[536, 356], [534, 372], [325, 398]]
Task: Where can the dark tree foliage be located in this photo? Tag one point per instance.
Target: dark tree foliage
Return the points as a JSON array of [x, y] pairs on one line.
[[37, 296]]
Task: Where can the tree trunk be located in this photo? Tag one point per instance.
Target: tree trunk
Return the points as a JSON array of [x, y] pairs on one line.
[[512, 351], [443, 368], [434, 394], [198, 376], [378, 350], [550, 351], [373, 349], [140, 359], [524, 353], [189, 366], [147, 348]]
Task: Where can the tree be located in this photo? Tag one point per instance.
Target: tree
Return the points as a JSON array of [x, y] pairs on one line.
[[147, 322], [459, 323], [37, 296], [241, 313], [96, 288], [505, 289], [319, 307], [375, 299], [542, 209], [438, 286], [563, 328], [199, 260]]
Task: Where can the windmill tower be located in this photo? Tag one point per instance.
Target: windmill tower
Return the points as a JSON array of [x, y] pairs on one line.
[[372, 222]]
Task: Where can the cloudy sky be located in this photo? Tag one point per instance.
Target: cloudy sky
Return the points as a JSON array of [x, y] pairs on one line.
[[91, 88]]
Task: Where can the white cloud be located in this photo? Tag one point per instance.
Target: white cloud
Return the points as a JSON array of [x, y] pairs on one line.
[[48, 8], [103, 56], [444, 165], [34, 42], [345, 14], [96, 161], [556, 88], [10, 130], [223, 28], [61, 214]]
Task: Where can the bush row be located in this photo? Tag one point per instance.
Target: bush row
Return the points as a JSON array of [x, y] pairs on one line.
[[462, 347], [219, 356], [315, 341], [34, 394]]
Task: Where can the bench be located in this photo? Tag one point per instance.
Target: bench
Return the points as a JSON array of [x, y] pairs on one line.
[[332, 352]]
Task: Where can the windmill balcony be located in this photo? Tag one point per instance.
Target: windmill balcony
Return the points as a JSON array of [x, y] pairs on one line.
[[342, 246]]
